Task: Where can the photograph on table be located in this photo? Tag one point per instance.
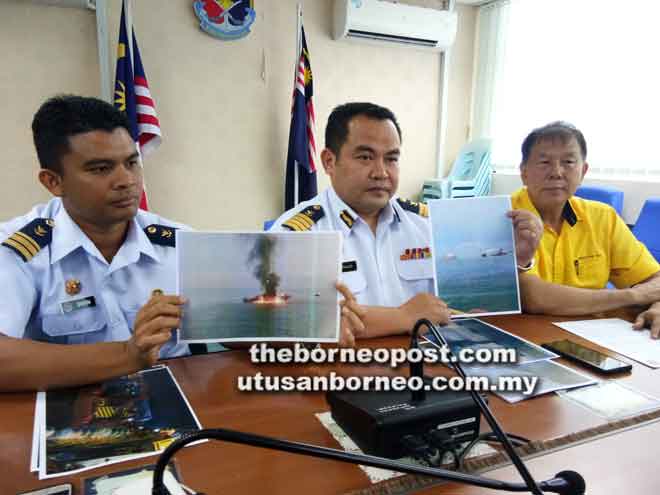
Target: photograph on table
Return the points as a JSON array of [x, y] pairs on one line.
[[258, 286], [116, 420], [517, 382], [474, 255], [474, 334]]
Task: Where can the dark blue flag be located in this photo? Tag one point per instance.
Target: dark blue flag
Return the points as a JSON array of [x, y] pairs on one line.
[[300, 166]]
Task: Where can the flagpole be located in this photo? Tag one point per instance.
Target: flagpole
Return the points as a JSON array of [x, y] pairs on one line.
[[295, 76], [129, 28]]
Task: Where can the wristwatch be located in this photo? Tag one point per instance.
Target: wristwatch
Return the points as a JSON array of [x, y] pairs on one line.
[[529, 266]]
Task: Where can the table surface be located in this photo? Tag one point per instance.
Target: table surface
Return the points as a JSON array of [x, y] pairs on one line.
[[209, 382]]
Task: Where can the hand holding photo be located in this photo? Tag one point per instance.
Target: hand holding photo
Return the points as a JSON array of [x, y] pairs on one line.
[[277, 286], [475, 255]]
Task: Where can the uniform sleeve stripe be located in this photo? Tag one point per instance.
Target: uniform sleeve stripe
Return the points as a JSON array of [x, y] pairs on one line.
[[29, 244], [24, 253]]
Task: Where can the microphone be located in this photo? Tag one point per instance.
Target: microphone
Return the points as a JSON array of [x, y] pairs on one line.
[[564, 483], [568, 483]]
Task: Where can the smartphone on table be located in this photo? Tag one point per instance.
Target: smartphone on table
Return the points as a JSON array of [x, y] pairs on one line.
[[590, 358]]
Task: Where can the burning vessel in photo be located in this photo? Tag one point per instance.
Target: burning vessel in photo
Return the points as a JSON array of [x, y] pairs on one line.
[[261, 256]]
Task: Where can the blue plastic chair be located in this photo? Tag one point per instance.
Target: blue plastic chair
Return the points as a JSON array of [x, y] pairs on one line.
[[647, 227], [605, 194], [268, 224]]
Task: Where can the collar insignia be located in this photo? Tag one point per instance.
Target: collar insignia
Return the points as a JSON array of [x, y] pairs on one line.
[[161, 235]]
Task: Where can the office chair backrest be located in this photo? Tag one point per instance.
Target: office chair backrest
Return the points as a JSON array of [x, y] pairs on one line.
[[605, 194], [647, 227]]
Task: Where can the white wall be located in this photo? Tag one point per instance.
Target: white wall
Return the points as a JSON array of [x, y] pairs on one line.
[[225, 127]]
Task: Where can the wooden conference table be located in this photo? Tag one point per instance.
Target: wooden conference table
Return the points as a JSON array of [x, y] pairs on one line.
[[626, 460]]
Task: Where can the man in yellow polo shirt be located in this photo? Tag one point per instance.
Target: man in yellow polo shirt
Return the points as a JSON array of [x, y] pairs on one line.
[[585, 243]]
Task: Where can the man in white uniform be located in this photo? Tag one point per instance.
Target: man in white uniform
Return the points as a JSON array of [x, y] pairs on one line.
[[387, 260], [88, 267]]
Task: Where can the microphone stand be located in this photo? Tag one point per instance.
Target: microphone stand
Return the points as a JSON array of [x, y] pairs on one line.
[[559, 484], [564, 483], [494, 425]]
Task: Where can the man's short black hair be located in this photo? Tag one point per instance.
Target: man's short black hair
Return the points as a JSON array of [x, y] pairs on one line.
[[64, 116], [554, 130], [336, 131]]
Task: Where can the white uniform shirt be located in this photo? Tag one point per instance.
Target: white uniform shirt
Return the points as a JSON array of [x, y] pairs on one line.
[[32, 292], [383, 270]]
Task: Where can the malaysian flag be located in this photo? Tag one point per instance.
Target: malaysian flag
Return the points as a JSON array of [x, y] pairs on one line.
[[300, 166], [132, 95]]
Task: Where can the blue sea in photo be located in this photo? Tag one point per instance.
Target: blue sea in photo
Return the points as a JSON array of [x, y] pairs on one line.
[[478, 284], [218, 314]]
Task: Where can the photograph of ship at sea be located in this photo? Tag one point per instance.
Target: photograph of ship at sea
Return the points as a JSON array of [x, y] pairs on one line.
[[259, 286], [474, 255]]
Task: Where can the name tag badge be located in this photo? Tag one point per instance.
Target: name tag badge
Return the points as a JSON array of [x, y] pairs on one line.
[[85, 302], [349, 266]]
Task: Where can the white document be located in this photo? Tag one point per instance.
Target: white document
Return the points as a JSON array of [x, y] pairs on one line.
[[618, 336], [39, 415], [143, 486], [612, 400]]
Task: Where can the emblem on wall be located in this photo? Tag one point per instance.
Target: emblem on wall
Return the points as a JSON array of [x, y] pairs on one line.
[[225, 19]]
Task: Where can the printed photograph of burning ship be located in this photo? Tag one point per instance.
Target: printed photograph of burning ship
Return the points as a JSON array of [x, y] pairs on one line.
[[259, 286], [474, 255], [120, 419]]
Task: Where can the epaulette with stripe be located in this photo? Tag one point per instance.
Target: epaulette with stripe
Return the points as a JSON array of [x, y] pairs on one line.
[[305, 219], [29, 240], [347, 218], [161, 235], [418, 208]]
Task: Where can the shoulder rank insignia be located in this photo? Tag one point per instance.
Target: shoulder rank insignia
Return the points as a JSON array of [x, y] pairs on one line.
[[347, 218], [305, 219], [161, 235], [419, 208], [28, 241]]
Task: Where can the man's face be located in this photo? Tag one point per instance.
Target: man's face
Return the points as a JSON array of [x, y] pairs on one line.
[[553, 172], [365, 175], [101, 178]]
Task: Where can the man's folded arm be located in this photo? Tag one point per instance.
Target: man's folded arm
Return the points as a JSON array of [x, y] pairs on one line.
[[539, 296], [32, 365]]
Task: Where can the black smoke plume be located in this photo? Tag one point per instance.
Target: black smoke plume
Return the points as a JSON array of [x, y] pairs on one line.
[[261, 256]]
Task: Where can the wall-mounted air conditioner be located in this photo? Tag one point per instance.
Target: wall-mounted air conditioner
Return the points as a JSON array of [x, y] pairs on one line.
[[394, 22], [81, 4]]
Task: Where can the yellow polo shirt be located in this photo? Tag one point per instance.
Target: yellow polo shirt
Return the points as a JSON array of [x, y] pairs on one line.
[[595, 246]]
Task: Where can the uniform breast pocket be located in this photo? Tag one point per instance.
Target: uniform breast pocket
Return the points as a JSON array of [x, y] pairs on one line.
[[417, 275], [84, 326], [130, 316], [355, 282]]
